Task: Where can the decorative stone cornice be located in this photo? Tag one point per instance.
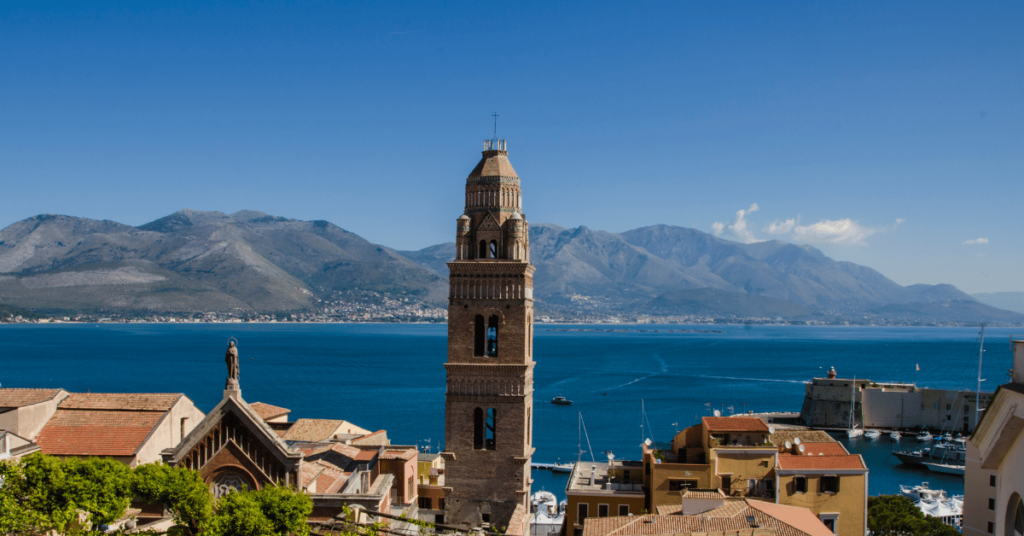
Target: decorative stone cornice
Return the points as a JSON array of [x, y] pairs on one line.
[[487, 399]]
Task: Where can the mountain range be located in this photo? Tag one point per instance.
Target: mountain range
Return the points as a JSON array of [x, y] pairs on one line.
[[249, 261]]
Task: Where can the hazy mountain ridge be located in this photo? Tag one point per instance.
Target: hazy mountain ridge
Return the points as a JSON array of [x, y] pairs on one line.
[[249, 261], [197, 261], [670, 270]]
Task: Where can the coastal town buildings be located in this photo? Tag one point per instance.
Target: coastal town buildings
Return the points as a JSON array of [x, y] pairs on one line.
[[740, 457], [489, 395], [994, 473], [130, 427], [889, 405], [336, 462]]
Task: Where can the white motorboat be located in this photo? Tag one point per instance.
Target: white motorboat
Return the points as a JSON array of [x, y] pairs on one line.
[[854, 432], [922, 491], [924, 436], [948, 468], [872, 434], [895, 435]]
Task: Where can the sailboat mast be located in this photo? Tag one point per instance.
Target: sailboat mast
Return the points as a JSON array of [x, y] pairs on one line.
[[977, 394], [853, 400]]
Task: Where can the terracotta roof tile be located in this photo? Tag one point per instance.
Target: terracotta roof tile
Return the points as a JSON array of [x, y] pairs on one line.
[[731, 517], [828, 449], [117, 401], [735, 424], [399, 454], [267, 411], [378, 438], [16, 398], [820, 463], [96, 433], [780, 437], [312, 430]]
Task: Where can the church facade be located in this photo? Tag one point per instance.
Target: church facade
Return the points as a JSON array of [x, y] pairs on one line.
[[489, 397]]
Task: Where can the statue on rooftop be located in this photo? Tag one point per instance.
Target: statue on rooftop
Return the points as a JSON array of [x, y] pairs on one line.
[[231, 359]]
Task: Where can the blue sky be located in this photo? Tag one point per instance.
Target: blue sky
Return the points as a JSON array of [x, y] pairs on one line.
[[887, 134]]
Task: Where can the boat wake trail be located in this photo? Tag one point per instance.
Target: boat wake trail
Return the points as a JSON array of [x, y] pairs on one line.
[[661, 370]]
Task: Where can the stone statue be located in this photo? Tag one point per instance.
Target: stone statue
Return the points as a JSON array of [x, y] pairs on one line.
[[231, 358]]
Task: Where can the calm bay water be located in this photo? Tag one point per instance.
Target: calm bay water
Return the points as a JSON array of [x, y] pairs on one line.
[[391, 376]]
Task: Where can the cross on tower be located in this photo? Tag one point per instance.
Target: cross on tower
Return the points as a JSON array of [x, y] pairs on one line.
[[495, 116]]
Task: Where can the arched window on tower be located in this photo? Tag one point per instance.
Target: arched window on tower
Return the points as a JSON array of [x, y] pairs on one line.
[[478, 429], [483, 250], [492, 336], [479, 336], [490, 443], [494, 249]]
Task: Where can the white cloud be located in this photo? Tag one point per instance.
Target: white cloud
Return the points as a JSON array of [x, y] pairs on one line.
[[845, 231], [976, 241], [782, 227], [738, 226], [898, 221]]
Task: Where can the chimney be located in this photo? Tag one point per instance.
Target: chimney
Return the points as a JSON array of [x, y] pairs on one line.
[[832, 373]]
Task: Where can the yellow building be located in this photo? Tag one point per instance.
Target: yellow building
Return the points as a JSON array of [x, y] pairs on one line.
[[742, 457], [993, 481], [608, 489]]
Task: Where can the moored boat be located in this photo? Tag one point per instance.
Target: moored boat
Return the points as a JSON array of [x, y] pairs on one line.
[[948, 468], [924, 436], [561, 401], [895, 435], [872, 434]]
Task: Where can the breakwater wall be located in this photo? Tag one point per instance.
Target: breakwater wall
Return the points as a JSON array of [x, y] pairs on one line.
[[827, 403]]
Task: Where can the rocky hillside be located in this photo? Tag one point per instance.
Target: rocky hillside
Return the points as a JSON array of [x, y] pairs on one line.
[[197, 261], [670, 270]]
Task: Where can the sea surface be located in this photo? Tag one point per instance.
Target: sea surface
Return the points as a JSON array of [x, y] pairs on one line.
[[634, 383]]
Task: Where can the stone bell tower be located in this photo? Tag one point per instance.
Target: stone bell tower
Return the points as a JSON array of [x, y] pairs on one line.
[[489, 400]]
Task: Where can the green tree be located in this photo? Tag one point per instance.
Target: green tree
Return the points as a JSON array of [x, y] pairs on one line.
[[239, 514], [51, 494], [286, 509], [895, 515], [181, 490]]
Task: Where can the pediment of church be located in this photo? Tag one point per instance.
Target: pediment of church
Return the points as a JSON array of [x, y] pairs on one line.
[[1001, 426], [233, 435]]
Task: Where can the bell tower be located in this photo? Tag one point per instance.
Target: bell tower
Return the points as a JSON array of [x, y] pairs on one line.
[[489, 398]]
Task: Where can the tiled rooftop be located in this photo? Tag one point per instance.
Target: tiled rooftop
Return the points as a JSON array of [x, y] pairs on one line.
[[780, 437], [121, 401], [267, 411], [16, 398], [96, 433], [312, 430], [735, 424], [820, 463], [731, 517]]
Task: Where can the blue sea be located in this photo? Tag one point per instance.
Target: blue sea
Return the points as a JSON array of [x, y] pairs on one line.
[[391, 376]]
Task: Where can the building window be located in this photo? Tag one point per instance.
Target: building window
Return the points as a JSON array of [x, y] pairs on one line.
[[411, 488], [478, 429], [582, 509], [800, 484], [623, 509], [680, 485], [991, 528], [992, 480], [529, 425], [483, 250], [727, 484], [486, 518], [602, 510], [830, 484], [492, 336], [830, 521], [479, 337], [1018, 518], [424, 503], [491, 416], [949, 407], [991, 504]]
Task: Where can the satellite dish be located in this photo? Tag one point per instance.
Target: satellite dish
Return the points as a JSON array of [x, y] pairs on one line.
[[796, 440], [771, 429], [647, 442], [788, 445], [802, 449], [718, 413], [610, 455], [821, 454]]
